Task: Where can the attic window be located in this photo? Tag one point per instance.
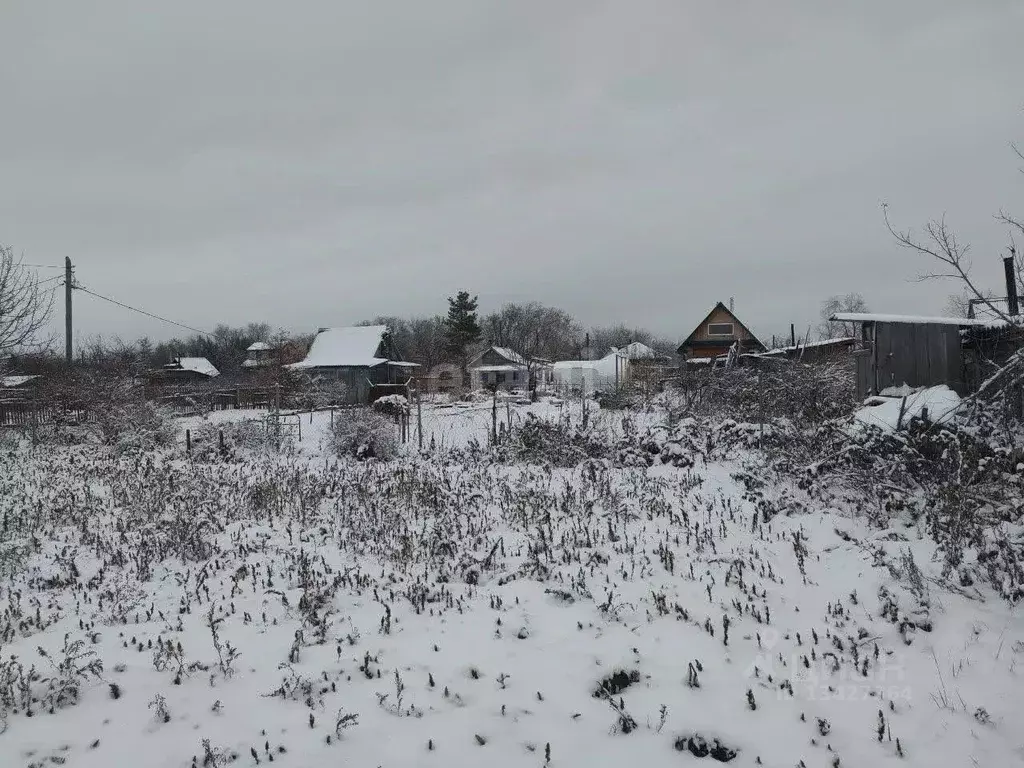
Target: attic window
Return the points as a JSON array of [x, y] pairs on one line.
[[719, 329]]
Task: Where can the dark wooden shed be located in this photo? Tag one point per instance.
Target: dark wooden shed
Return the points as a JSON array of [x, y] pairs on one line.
[[911, 350], [362, 358]]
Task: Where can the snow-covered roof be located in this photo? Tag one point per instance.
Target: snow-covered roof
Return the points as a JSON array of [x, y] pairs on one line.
[[605, 365], [10, 382], [867, 317], [195, 364], [638, 351], [840, 341], [995, 313], [354, 347], [568, 365], [259, 346], [497, 368], [510, 354]]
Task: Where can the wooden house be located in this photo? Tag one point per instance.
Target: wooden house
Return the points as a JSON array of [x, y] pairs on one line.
[[362, 358], [17, 399], [504, 368], [442, 379], [259, 354], [19, 387], [716, 335], [184, 371]]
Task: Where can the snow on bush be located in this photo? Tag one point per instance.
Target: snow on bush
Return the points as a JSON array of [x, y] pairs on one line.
[[362, 433], [552, 442], [391, 405], [135, 425], [239, 437], [308, 391], [804, 394]]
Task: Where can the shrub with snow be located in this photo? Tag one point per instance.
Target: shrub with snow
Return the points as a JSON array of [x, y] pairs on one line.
[[391, 405], [135, 425], [362, 433], [312, 391], [239, 438], [805, 394], [557, 443]]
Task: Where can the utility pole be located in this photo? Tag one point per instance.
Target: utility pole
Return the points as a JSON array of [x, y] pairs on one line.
[[1009, 264], [68, 285]]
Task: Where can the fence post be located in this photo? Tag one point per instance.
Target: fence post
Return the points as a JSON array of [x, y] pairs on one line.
[[220, 440], [494, 417], [188, 442], [298, 420], [419, 418]]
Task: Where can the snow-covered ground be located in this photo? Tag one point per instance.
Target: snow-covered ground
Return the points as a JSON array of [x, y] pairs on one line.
[[304, 612]]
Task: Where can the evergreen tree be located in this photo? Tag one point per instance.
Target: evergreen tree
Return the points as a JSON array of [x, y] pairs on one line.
[[461, 327]]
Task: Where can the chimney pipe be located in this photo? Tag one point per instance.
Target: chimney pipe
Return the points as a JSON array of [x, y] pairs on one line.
[[732, 304], [1011, 283]]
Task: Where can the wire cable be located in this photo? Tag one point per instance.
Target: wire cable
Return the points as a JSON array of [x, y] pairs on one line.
[[142, 311]]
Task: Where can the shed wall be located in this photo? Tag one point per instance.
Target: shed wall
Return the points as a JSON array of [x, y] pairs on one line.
[[919, 355]]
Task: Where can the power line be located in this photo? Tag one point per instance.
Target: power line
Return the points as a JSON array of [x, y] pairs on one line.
[[40, 266], [142, 311]]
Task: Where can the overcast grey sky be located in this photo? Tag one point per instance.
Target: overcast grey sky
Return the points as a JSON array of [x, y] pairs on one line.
[[318, 163]]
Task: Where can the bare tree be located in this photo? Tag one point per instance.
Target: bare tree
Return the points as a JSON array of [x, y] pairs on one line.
[[25, 305], [605, 338], [535, 331], [850, 302], [962, 304], [941, 244]]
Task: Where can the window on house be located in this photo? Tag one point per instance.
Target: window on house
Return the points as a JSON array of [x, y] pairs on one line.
[[719, 329], [515, 376], [501, 378]]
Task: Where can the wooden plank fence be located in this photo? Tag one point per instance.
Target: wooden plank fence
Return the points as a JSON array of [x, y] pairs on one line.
[[28, 413]]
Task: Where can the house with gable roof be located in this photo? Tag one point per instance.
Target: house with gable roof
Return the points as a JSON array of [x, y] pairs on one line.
[[362, 358], [504, 368], [720, 332]]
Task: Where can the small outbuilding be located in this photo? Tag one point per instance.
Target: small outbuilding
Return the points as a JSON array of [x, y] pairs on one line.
[[825, 350], [914, 350], [185, 370], [504, 368], [442, 379], [259, 354], [586, 377], [362, 358]]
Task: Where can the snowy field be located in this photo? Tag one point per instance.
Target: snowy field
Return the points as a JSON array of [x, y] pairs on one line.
[[429, 612]]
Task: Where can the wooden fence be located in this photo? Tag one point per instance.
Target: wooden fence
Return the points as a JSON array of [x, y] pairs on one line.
[[184, 400], [29, 413]]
